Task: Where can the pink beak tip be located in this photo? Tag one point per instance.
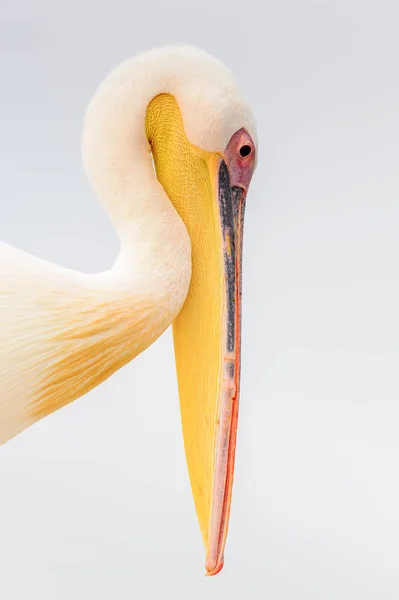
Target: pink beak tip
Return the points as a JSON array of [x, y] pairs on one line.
[[215, 570]]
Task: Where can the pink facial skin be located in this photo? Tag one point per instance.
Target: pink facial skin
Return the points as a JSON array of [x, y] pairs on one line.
[[240, 159]]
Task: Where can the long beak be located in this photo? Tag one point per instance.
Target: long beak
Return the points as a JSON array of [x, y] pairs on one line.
[[207, 336]]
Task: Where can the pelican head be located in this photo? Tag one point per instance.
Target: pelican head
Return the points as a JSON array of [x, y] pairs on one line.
[[178, 111]]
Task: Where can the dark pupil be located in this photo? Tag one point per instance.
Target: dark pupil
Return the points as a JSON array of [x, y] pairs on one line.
[[245, 150]]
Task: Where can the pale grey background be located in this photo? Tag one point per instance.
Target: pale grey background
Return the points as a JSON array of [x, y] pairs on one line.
[[94, 501]]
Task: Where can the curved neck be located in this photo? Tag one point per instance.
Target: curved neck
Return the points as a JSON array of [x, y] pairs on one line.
[[116, 153]]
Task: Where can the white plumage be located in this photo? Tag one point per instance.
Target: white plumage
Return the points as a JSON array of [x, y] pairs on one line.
[[63, 332]]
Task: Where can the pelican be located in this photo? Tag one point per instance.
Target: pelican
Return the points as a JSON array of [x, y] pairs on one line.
[[169, 148]]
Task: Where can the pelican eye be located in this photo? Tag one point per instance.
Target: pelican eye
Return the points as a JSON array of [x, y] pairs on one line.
[[245, 150]]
